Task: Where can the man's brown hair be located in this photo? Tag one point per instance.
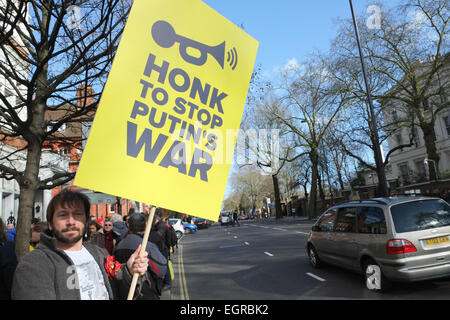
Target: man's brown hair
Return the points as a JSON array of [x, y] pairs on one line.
[[68, 196]]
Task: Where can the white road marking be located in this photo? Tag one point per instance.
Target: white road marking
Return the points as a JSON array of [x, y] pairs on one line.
[[279, 229], [269, 254], [315, 277], [302, 232]]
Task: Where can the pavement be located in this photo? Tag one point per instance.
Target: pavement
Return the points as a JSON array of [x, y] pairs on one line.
[[170, 293], [166, 294]]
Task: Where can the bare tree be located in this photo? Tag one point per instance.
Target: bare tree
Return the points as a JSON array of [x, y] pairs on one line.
[[314, 103], [406, 55], [49, 49], [269, 142], [251, 185]]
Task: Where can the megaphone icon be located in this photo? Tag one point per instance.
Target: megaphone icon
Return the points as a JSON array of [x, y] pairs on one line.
[[164, 35]]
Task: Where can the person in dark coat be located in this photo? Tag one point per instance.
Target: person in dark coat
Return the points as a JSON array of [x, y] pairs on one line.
[[8, 263], [151, 285], [119, 225], [158, 236]]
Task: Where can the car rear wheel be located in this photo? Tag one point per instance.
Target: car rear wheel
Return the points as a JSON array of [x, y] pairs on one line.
[[313, 257], [179, 235], [375, 280]]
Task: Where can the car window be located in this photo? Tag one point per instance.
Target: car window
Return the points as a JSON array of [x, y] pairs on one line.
[[326, 221], [173, 221], [371, 220], [420, 215], [346, 220]]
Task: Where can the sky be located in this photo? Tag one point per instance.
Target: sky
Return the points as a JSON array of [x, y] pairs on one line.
[[288, 29]]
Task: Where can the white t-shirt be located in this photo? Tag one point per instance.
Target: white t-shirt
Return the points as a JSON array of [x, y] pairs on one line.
[[91, 282]]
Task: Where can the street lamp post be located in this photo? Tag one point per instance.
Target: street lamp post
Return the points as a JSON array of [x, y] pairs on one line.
[[382, 181], [425, 161]]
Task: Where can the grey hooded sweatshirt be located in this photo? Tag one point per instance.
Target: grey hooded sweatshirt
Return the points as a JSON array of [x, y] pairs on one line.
[[47, 273]]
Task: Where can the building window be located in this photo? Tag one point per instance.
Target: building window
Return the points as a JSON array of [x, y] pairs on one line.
[[442, 96], [398, 138], [420, 166], [420, 171], [394, 116], [415, 137], [404, 172], [447, 124], [63, 152], [426, 104]]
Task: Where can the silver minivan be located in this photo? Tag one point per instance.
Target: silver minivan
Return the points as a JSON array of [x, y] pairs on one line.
[[386, 239]]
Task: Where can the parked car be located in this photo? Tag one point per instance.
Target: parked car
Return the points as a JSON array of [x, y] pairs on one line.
[[189, 227], [202, 223], [226, 218], [387, 239], [178, 226]]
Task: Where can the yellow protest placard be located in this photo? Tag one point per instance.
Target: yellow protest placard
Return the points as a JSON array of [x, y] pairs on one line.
[[178, 84]]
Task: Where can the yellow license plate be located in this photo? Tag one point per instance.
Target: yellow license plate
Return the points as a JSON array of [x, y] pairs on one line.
[[436, 241]]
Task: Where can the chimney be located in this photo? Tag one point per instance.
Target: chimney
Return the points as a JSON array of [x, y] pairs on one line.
[[85, 96]]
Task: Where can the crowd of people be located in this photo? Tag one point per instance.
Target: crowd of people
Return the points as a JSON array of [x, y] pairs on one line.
[[80, 257]]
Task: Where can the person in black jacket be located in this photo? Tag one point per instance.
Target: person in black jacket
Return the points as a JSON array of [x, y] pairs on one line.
[[151, 285], [8, 263], [159, 236]]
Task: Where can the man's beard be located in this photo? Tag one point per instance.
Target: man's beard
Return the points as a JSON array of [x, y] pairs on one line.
[[61, 238]]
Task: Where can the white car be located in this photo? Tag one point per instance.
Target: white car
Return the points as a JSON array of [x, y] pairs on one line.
[[226, 217], [178, 226]]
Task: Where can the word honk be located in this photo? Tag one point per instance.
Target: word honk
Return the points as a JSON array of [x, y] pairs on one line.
[[215, 99]]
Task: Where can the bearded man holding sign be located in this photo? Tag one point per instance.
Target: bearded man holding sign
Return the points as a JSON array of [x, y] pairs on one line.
[[62, 267]]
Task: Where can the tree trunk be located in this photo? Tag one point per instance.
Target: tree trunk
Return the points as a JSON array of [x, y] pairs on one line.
[[320, 185], [313, 194], [341, 182], [305, 189], [28, 187], [430, 146], [276, 189], [382, 188], [34, 134]]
